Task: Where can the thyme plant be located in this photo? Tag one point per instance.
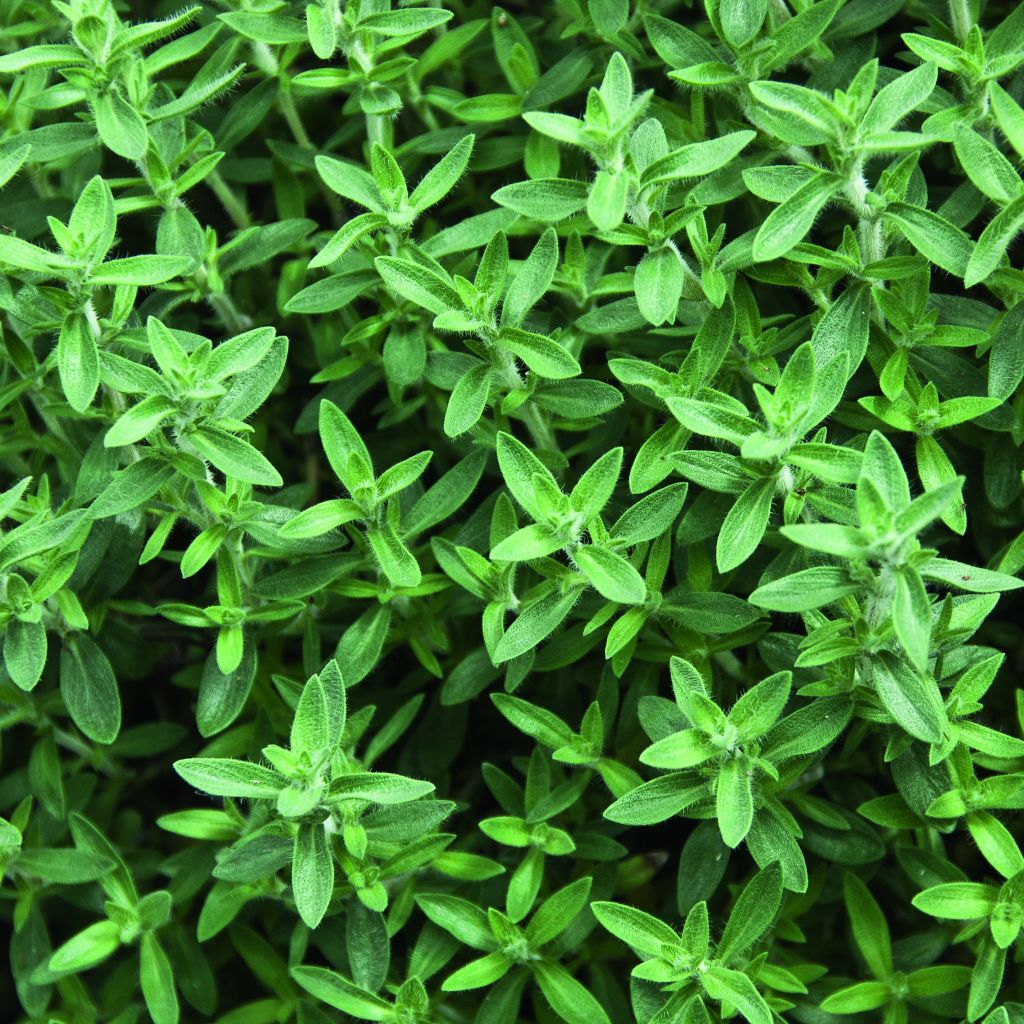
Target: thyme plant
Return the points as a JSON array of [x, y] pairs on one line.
[[511, 514]]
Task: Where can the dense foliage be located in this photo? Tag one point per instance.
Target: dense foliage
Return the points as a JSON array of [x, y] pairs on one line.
[[512, 514]]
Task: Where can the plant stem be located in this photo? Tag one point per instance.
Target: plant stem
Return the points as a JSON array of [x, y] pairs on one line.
[[291, 115], [536, 422], [233, 206], [868, 225], [378, 129], [961, 18], [234, 320]]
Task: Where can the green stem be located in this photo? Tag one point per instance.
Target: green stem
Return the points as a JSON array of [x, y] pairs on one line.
[[94, 757], [234, 320], [233, 206], [961, 18], [291, 115], [868, 225], [422, 108], [378, 129], [871, 239], [301, 136], [536, 422]]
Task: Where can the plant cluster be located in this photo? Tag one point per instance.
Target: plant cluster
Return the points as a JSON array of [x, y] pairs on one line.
[[512, 514]]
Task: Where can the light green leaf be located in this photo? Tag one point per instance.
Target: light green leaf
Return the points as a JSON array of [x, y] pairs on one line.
[[312, 873], [790, 221]]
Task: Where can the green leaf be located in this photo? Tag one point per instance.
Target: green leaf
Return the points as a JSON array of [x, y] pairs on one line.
[[753, 913], [331, 988], [443, 176], [468, 400], [478, 973], [969, 577], [902, 95], [141, 271], [870, 930], [533, 541], [858, 998], [120, 125], [9, 836], [224, 776], [882, 467], [234, 457], [931, 235], [17, 253], [658, 283], [745, 524], [936, 471], [542, 355], [532, 280], [312, 873], [405, 23], [912, 698], [139, 421], [911, 615], [758, 708], [350, 182], [157, 980], [568, 998], [699, 158], [445, 496], [89, 689], [463, 919], [78, 361], [265, 28], [734, 801], [650, 517], [655, 801], [799, 32], [518, 467], [202, 89], [741, 20], [1008, 114], [131, 487], [685, 749], [488, 108], [402, 475], [994, 241], [24, 650], [67, 867], [636, 928], [544, 199], [535, 623], [613, 576], [596, 486], [558, 912], [816, 117], [790, 221], [606, 203], [43, 56], [379, 787], [990, 171], [736, 988], [89, 947], [418, 284], [712, 419], [957, 901], [347, 236], [311, 730], [340, 440], [397, 562], [322, 518], [676, 44]]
